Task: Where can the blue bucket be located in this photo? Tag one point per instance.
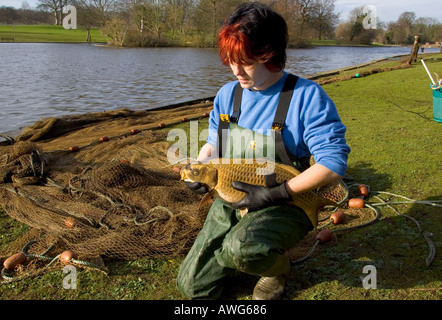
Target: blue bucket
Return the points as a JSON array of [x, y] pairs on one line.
[[437, 105]]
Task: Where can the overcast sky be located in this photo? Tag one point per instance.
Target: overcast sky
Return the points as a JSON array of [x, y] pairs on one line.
[[387, 10]]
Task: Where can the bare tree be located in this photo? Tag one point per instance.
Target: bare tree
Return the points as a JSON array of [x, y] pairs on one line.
[[324, 18], [305, 12], [56, 6], [102, 7], [178, 12], [50, 5], [96, 11], [156, 17]]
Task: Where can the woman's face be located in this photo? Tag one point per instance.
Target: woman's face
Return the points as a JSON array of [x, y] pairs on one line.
[[255, 75]]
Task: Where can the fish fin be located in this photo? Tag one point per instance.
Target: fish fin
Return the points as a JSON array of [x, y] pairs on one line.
[[243, 212], [319, 203], [205, 200], [290, 169]]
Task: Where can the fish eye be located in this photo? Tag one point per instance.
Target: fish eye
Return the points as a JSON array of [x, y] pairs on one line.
[[195, 172]]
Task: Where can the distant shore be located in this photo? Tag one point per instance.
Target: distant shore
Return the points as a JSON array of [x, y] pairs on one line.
[[57, 34], [47, 34]]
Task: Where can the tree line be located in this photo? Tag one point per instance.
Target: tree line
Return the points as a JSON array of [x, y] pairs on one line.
[[400, 32], [196, 22]]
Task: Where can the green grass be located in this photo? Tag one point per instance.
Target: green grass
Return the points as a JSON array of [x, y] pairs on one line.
[[338, 43], [395, 148], [48, 33]]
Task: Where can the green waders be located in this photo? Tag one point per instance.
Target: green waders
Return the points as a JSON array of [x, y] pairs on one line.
[[227, 242]]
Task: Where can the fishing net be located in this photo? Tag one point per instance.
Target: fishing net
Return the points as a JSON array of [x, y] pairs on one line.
[[100, 185], [103, 189]]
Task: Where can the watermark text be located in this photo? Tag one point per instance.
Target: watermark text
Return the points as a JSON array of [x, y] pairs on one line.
[[370, 280], [70, 21], [70, 280], [370, 20]]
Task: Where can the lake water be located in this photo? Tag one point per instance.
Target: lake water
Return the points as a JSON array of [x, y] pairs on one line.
[[45, 80]]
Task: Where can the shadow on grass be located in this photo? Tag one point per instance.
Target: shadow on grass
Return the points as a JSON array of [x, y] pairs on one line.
[[394, 247], [363, 172]]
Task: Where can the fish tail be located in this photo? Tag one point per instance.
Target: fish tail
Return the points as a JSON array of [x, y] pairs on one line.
[[321, 202]]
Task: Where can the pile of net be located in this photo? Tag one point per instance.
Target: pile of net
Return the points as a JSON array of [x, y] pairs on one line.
[[104, 189]]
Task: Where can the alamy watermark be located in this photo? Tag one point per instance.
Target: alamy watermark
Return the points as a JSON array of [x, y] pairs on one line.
[[370, 20], [70, 21], [370, 280], [70, 280], [245, 143]]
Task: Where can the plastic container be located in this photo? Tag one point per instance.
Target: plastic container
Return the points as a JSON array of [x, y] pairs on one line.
[[437, 104]]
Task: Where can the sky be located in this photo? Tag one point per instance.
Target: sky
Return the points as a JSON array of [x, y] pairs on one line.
[[386, 10]]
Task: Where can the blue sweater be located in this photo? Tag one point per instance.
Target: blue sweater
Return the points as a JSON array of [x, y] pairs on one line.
[[312, 127]]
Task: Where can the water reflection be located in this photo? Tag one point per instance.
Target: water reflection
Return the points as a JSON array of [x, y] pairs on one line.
[[44, 80]]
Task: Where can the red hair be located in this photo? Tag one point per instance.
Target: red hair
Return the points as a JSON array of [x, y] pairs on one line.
[[235, 47]]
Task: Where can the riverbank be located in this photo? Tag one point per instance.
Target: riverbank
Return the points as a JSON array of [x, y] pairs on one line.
[[395, 148], [47, 34], [341, 43], [57, 34]]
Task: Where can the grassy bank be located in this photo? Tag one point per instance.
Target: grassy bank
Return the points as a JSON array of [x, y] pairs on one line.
[[47, 33], [52, 33], [395, 148], [338, 43]]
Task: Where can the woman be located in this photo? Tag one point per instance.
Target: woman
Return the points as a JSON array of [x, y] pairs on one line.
[[294, 119]]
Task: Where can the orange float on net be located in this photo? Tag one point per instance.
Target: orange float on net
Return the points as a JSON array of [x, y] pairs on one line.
[[104, 139], [205, 114], [70, 223], [67, 256], [74, 148], [324, 236], [184, 119], [356, 203], [135, 131], [15, 260], [161, 125], [338, 217], [363, 190]]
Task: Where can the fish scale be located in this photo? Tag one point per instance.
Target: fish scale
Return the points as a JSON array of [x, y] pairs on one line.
[[244, 172], [218, 175]]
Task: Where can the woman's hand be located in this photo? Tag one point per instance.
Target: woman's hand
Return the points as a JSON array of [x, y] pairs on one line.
[[258, 197]]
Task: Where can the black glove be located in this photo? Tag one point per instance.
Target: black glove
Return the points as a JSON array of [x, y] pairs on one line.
[[197, 187], [259, 196]]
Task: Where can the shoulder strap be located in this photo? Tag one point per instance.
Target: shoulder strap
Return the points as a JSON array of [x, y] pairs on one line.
[[280, 116], [237, 97], [224, 121]]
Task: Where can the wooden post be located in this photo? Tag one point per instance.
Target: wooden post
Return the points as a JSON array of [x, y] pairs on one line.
[[415, 50]]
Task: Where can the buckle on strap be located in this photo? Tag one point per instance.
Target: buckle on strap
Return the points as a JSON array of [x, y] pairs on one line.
[[277, 126], [224, 117], [234, 117]]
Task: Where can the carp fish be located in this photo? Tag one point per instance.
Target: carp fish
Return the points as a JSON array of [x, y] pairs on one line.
[[218, 175]]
